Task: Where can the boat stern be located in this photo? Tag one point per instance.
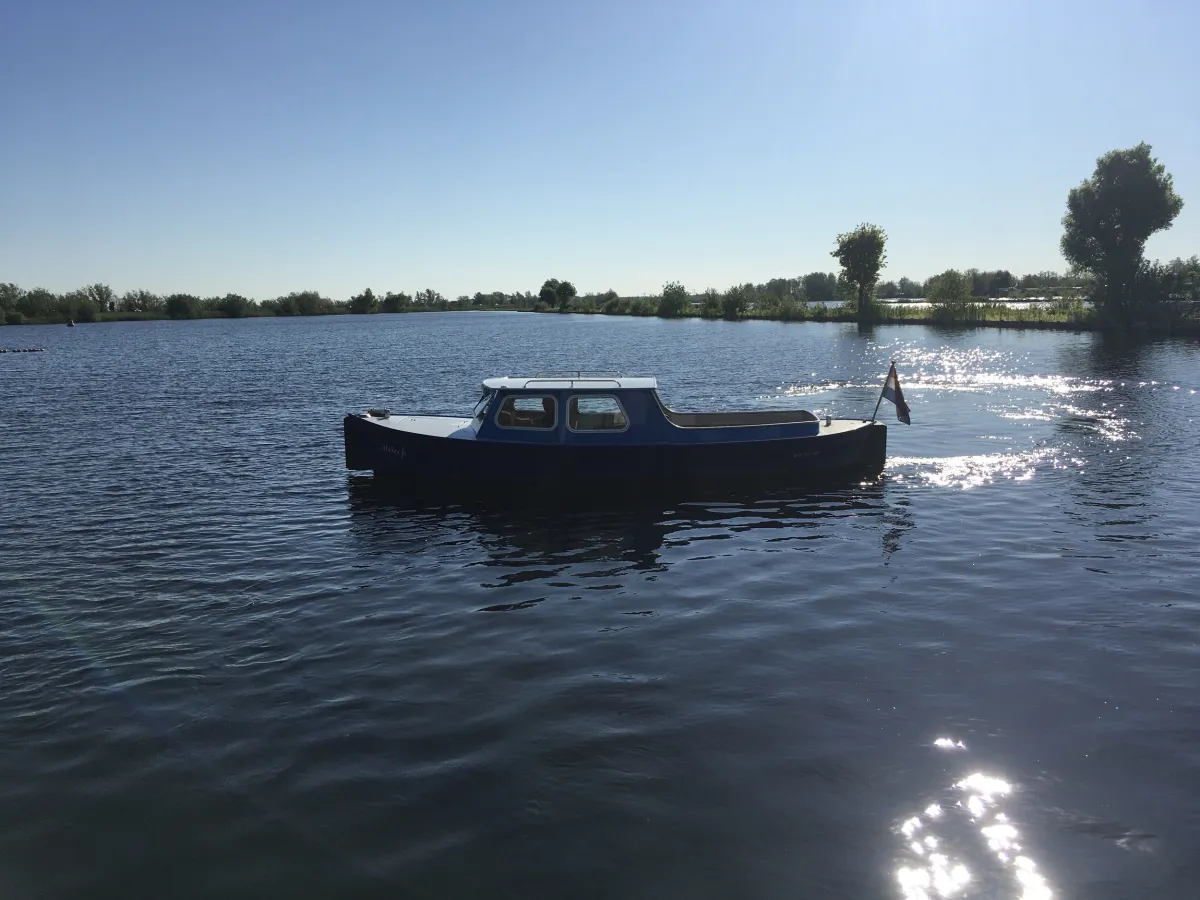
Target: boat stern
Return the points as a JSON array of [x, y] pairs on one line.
[[875, 452]]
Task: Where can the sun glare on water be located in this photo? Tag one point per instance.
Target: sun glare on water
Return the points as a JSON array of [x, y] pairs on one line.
[[942, 844]]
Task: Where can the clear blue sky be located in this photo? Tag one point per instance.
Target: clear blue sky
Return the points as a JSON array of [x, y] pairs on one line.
[[263, 147]]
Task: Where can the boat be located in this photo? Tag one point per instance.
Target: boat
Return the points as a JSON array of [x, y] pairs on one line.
[[579, 429]]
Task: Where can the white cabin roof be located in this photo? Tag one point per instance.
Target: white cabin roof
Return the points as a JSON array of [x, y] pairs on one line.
[[567, 381]]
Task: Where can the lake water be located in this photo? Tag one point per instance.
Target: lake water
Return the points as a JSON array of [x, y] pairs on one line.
[[231, 668]]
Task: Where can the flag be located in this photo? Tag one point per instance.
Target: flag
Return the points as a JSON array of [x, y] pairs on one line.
[[891, 390]]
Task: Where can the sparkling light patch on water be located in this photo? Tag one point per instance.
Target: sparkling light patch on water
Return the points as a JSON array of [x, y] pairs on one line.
[[948, 846], [1104, 422], [973, 471]]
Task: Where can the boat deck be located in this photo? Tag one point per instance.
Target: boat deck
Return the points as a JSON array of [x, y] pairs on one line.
[[838, 426], [430, 426], [445, 426]]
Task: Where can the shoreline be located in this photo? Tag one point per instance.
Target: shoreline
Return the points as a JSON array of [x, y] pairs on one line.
[[976, 318]]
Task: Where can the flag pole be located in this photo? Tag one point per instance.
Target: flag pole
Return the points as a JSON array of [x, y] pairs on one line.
[[881, 390]]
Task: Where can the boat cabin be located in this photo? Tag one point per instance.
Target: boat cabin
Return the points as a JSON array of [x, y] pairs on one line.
[[586, 407]]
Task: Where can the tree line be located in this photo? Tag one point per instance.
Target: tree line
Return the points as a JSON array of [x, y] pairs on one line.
[[1109, 218], [97, 302]]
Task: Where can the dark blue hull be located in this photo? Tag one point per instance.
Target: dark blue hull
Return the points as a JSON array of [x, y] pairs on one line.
[[423, 460]]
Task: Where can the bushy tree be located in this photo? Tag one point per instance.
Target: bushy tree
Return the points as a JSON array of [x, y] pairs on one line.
[[734, 302], [77, 306], [395, 303], [140, 301], [431, 299], [861, 255], [232, 306], [38, 303], [951, 289], [1178, 280], [183, 306], [780, 288], [300, 303], [710, 305], [674, 301], [990, 284], [614, 305], [820, 287], [1040, 281], [1111, 215], [364, 303]]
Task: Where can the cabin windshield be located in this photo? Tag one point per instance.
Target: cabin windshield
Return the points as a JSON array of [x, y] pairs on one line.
[[480, 409]]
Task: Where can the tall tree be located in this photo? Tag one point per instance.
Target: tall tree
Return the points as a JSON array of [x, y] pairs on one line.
[[102, 297], [861, 254], [1111, 215], [564, 293], [311, 303], [10, 295], [549, 292]]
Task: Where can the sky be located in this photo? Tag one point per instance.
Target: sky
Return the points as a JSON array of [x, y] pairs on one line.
[[262, 147]]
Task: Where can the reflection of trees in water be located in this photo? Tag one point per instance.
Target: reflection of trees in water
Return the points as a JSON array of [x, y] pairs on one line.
[[1123, 432], [550, 539], [899, 519]]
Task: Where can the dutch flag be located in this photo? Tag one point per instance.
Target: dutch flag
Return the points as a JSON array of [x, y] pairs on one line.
[[891, 390]]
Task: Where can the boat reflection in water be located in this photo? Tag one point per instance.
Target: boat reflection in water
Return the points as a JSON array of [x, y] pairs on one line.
[[537, 536], [964, 844]]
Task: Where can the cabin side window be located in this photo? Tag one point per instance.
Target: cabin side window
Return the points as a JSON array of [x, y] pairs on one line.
[[538, 411], [603, 413]]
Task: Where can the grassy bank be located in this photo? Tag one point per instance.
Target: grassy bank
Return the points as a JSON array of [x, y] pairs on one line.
[[1066, 315]]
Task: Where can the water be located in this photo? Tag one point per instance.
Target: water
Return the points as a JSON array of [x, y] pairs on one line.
[[233, 669]]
